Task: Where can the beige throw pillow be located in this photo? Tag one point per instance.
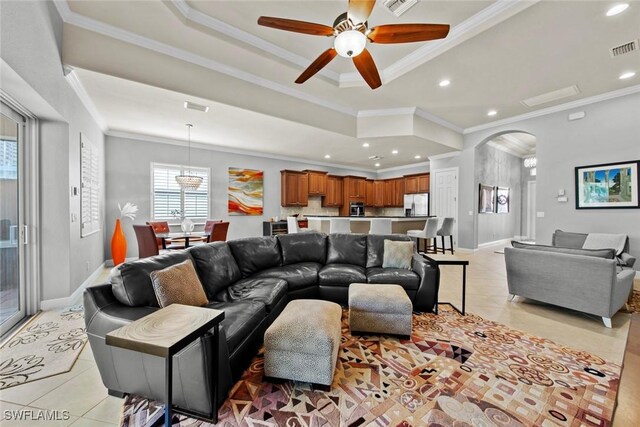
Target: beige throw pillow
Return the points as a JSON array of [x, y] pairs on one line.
[[178, 284], [397, 254]]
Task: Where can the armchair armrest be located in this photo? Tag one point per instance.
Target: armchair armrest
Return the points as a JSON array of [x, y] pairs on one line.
[[627, 259], [427, 294]]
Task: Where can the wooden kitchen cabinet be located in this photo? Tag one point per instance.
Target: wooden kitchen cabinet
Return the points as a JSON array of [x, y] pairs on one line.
[[355, 187], [424, 183], [294, 188], [317, 182], [378, 189], [370, 198], [334, 195], [394, 192], [418, 183]]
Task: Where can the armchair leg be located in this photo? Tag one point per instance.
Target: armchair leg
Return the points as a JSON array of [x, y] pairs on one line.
[[607, 321], [511, 297], [451, 242], [442, 240]]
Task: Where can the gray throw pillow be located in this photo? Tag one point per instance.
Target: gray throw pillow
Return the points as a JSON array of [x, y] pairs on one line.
[[397, 254], [598, 253]]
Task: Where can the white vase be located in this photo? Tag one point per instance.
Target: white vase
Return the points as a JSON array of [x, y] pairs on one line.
[[187, 225]]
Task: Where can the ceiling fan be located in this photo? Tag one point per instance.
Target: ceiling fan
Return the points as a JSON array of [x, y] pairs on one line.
[[351, 33]]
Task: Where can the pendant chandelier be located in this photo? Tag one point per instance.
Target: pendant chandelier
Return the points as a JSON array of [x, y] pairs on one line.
[[187, 181]]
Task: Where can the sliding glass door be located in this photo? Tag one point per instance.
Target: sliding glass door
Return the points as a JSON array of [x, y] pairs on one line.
[[12, 283]]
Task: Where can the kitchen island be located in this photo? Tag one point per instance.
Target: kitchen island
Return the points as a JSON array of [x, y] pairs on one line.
[[361, 224]]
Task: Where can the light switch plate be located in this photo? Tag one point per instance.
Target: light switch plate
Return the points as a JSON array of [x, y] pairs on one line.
[[563, 199], [540, 214]]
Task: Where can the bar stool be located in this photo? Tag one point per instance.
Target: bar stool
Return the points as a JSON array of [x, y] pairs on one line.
[[429, 232], [446, 230], [293, 227], [380, 226], [339, 225]]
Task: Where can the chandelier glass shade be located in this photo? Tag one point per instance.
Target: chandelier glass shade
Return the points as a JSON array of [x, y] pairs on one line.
[[530, 162], [187, 181], [350, 43]]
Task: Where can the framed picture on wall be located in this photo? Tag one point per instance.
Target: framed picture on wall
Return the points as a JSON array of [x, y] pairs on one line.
[[246, 190], [486, 198], [502, 200], [608, 186]]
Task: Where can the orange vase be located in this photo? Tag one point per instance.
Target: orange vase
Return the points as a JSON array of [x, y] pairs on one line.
[[118, 245]]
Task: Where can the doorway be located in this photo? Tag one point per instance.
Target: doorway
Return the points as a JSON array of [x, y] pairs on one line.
[[445, 200]]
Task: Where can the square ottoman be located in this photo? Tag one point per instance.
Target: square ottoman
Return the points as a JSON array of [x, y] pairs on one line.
[[383, 309], [302, 343]]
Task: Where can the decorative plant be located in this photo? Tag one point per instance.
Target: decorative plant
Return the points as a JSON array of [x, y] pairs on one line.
[[129, 210], [178, 214]]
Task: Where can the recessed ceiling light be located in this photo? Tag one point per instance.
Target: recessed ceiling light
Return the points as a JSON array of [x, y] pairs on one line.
[[627, 75], [619, 8], [394, 152], [444, 83], [377, 165], [327, 156], [416, 157], [492, 113], [365, 145]]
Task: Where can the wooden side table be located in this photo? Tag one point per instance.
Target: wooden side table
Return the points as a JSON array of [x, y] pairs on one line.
[[442, 259], [164, 333]]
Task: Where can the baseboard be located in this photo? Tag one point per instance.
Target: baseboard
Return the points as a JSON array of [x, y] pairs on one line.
[[466, 250], [76, 296], [109, 262], [497, 242]]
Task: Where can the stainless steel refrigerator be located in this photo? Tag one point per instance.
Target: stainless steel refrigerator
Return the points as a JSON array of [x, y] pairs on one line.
[[416, 204]]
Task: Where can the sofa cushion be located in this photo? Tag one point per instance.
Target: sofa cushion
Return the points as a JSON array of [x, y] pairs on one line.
[[303, 247], [606, 240], [255, 253], [375, 247], [598, 253], [266, 290], [131, 281], [395, 276], [178, 284], [347, 249], [298, 276], [341, 274], [240, 319], [565, 239], [398, 254], [216, 266]]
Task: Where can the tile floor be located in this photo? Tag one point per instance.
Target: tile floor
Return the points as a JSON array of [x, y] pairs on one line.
[[81, 392]]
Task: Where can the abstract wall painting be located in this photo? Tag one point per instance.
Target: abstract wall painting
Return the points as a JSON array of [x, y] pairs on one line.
[[608, 186], [487, 199], [246, 191], [502, 200]]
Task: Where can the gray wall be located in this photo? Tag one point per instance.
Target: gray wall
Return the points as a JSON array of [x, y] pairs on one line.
[[31, 40], [128, 180], [404, 171], [497, 168], [608, 133]]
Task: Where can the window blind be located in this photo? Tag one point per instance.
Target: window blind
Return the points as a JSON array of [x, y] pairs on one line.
[[168, 197]]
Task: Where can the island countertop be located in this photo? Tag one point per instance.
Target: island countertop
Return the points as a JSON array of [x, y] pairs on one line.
[[361, 224], [368, 218]]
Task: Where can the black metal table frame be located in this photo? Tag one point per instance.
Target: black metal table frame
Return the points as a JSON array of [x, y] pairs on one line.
[[462, 263]]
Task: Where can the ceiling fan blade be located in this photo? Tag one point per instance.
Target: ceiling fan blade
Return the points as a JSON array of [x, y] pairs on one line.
[[367, 69], [407, 33], [296, 26], [317, 65], [359, 10]]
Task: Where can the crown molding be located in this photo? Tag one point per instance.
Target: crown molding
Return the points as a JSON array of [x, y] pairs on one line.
[[488, 17], [439, 120], [211, 147], [78, 88], [387, 112], [108, 30], [445, 155], [519, 144], [556, 108], [504, 148], [403, 167], [197, 17]]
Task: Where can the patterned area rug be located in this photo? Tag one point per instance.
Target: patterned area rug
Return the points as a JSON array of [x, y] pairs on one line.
[[47, 345], [454, 371], [634, 305]]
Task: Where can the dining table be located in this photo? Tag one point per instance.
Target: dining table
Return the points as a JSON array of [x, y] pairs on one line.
[[187, 236]]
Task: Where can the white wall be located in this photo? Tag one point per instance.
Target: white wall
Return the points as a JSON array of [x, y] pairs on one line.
[[608, 133], [30, 43]]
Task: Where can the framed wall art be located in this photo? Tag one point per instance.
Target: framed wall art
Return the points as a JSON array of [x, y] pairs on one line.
[[502, 200], [607, 186], [246, 190], [486, 199]]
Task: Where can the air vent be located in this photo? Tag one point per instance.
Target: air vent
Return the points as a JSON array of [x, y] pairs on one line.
[[551, 96], [398, 7], [623, 49], [198, 107], [375, 158]]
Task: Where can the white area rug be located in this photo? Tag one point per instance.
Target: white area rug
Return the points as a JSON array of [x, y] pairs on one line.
[[47, 345]]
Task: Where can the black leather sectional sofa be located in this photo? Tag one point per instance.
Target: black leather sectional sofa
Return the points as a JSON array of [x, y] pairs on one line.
[[251, 280]]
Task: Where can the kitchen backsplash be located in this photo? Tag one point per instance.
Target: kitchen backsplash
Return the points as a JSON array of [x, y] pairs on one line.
[[315, 208]]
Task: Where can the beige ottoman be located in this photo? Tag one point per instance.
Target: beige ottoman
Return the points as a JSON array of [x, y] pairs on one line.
[[383, 309], [302, 343]]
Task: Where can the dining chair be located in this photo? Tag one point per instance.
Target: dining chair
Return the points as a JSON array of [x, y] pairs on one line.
[[380, 226], [428, 233], [147, 241], [339, 225], [218, 232], [162, 227], [446, 230]]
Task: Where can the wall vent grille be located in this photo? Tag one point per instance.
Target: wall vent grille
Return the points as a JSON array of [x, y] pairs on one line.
[[398, 7], [625, 48]]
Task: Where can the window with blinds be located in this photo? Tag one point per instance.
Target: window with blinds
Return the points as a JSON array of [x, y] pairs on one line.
[[167, 196], [89, 188]]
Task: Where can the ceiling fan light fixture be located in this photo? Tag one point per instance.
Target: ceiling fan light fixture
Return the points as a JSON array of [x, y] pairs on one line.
[[350, 43]]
